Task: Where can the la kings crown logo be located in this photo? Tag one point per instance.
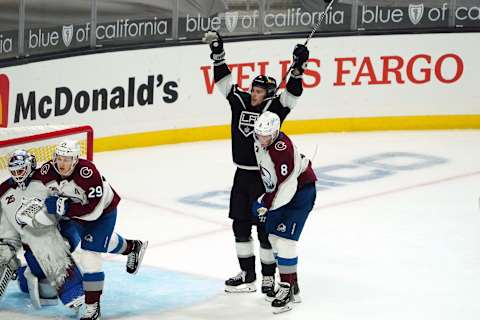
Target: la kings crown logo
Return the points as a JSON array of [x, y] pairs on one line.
[[247, 122]]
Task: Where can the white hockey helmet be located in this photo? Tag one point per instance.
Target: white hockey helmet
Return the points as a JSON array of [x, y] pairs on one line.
[[68, 150], [21, 165], [267, 125]]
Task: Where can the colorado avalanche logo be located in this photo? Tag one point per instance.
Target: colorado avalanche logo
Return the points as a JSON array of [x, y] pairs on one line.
[[281, 227], [280, 146], [86, 172], [44, 169], [267, 179]]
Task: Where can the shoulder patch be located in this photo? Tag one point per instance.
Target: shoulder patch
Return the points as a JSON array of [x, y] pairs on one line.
[[280, 146], [86, 172], [45, 168]]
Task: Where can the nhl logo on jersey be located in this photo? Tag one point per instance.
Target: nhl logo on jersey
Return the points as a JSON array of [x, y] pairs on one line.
[[86, 172], [280, 146], [247, 122], [281, 227], [44, 169], [88, 238]]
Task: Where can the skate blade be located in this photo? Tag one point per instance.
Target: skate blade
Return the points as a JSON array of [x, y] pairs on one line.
[[278, 310], [140, 255], [243, 288], [296, 299]]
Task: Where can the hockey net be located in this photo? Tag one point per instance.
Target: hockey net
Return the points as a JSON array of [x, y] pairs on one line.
[[41, 141]]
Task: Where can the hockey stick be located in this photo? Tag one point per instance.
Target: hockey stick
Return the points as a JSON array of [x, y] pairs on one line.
[[315, 27], [8, 270]]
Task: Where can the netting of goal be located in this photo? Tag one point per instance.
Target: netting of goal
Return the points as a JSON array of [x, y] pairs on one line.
[[41, 141]]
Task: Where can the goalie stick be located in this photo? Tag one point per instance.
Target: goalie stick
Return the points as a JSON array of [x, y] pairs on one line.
[[8, 271]]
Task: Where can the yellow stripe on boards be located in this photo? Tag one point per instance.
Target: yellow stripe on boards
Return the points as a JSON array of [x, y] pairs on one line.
[[147, 139]]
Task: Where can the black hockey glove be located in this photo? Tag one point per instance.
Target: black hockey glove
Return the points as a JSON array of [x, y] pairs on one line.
[[300, 57], [215, 42]]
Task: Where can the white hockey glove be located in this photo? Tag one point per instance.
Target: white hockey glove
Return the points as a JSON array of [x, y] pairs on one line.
[[215, 42]]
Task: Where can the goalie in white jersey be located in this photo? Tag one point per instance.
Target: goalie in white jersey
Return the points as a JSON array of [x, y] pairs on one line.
[[290, 194], [24, 222], [87, 205]]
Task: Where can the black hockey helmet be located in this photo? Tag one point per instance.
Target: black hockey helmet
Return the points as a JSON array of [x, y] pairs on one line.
[[267, 83]]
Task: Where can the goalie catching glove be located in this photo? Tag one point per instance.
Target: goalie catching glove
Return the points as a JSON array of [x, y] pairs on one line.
[[33, 213]]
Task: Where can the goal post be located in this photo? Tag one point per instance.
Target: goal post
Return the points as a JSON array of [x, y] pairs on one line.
[[42, 140]]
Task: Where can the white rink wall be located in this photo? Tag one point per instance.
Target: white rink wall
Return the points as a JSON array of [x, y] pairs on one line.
[[170, 88]]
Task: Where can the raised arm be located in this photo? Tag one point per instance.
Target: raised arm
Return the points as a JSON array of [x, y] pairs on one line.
[[289, 97], [221, 72]]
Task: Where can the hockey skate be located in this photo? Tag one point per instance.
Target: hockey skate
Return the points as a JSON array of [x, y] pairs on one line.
[[136, 256], [242, 282], [91, 311], [76, 304], [268, 285], [283, 299], [270, 296]]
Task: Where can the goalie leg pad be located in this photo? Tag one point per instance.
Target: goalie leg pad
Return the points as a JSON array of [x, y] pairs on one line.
[[47, 293], [33, 290], [22, 282], [72, 289], [33, 264]]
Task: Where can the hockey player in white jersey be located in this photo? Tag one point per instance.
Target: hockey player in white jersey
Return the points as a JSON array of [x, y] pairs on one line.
[[290, 195], [86, 202], [24, 222]]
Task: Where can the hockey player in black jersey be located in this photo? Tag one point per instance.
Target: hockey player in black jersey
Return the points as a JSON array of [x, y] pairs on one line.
[[247, 182]]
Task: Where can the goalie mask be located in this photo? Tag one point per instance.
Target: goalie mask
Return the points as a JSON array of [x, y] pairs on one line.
[[21, 165], [65, 157], [267, 128]]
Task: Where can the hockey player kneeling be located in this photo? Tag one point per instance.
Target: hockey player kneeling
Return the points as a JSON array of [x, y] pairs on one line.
[[50, 272], [290, 195]]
